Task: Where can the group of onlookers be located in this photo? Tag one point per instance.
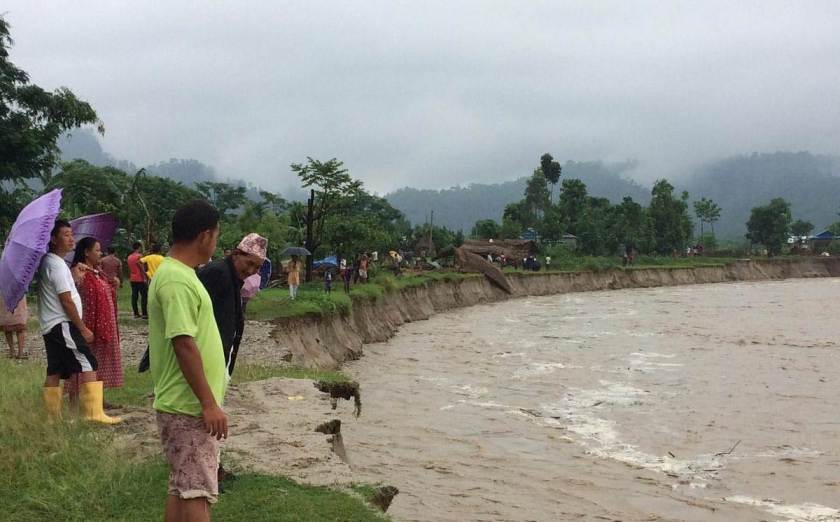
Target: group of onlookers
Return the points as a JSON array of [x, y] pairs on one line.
[[195, 314]]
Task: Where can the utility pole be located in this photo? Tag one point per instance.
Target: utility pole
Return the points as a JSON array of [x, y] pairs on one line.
[[431, 242], [310, 210]]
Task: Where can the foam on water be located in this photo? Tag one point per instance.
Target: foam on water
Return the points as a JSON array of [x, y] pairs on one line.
[[601, 437], [808, 512]]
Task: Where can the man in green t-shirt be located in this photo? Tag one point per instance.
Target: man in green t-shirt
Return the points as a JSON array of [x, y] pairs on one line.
[[188, 365]]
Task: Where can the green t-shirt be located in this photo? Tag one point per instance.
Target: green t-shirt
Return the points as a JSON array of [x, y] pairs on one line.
[[179, 305]]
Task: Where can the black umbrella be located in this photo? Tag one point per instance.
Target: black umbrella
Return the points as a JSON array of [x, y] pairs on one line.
[[295, 251]]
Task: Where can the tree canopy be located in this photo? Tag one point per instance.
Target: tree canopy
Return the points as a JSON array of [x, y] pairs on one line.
[[769, 225]]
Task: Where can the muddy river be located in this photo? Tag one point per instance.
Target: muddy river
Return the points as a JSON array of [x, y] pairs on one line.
[[708, 402]]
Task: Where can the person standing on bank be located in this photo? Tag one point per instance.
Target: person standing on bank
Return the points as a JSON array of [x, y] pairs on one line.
[[188, 365], [139, 281], [13, 324], [111, 266], [293, 275], [152, 261], [100, 316], [223, 280], [66, 337]]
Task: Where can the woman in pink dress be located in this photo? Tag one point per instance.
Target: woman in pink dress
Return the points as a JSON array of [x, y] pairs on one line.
[[99, 314], [13, 324]]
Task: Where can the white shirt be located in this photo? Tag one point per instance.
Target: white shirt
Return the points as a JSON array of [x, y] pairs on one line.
[[55, 279]]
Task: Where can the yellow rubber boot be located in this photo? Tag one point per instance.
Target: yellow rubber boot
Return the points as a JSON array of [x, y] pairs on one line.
[[52, 402], [90, 399]]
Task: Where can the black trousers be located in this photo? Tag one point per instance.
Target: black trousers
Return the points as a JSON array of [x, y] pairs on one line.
[[139, 290]]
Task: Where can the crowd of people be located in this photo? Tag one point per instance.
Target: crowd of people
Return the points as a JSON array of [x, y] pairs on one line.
[[194, 306]]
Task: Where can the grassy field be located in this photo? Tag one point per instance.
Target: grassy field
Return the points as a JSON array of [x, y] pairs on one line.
[[599, 264], [274, 303], [74, 471]]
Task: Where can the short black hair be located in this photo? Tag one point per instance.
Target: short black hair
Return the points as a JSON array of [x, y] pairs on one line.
[[192, 219], [136, 245], [59, 224], [155, 248], [111, 250]]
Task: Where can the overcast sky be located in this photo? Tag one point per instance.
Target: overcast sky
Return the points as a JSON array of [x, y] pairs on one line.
[[433, 94]]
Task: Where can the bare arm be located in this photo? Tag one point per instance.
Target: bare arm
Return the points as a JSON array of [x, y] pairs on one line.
[[189, 360], [73, 313]]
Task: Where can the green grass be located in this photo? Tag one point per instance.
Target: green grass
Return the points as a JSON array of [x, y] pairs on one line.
[[567, 262], [75, 471], [275, 303]]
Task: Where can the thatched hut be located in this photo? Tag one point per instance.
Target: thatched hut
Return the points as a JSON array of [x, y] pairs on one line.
[[425, 247], [511, 248]]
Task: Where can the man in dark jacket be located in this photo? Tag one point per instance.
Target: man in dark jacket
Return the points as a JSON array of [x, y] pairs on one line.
[[223, 280]]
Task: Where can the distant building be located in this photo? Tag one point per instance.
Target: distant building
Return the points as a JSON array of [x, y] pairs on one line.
[[818, 243], [512, 248], [529, 234], [569, 241]]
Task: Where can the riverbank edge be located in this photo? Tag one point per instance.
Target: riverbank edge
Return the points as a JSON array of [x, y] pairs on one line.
[[326, 342]]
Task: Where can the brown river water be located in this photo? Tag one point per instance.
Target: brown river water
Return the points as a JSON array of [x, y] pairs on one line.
[[706, 402]]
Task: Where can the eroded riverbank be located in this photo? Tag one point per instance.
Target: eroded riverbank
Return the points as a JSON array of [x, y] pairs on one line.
[[611, 404], [326, 342]]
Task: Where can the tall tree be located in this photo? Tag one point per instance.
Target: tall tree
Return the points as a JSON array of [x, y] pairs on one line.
[[632, 226], [671, 223], [551, 170], [537, 197], [801, 228], [275, 202], [769, 225], [329, 182], [223, 196], [707, 211], [572, 204], [485, 229]]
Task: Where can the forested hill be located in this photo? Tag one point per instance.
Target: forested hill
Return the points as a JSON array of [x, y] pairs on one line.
[[809, 182], [83, 144], [458, 208]]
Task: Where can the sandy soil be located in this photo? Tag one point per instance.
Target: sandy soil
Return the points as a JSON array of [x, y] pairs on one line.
[[272, 430]]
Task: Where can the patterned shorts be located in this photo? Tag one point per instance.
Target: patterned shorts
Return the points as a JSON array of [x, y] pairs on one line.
[[193, 456]]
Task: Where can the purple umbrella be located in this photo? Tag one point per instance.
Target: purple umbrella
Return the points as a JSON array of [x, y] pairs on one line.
[[102, 227], [26, 245]]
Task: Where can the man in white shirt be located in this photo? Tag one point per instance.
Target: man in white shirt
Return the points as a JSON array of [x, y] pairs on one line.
[[66, 338]]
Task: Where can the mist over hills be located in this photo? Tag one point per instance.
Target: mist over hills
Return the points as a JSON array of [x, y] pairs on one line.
[[809, 182], [459, 208], [83, 144]]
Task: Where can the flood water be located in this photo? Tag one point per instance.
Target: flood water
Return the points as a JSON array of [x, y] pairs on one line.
[[706, 402]]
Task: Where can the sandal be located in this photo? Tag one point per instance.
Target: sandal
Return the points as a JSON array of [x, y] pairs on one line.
[[22, 356]]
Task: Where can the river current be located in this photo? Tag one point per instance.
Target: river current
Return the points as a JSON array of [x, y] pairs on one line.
[[705, 402]]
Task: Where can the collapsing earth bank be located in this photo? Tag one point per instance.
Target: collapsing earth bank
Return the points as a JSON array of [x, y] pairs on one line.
[[326, 342]]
